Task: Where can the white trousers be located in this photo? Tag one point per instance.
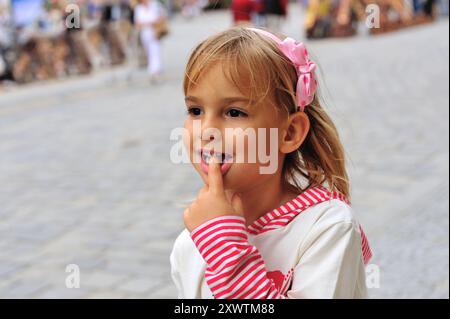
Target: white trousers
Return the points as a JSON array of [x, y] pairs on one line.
[[152, 48]]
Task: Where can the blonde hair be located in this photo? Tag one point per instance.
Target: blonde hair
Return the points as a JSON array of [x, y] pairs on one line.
[[259, 70]]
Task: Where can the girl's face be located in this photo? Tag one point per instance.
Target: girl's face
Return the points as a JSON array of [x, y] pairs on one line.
[[214, 108]]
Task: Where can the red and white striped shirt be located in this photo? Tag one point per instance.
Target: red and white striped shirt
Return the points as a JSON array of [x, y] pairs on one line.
[[310, 247]]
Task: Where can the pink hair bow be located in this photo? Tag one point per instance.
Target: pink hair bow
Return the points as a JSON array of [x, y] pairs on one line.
[[296, 52]]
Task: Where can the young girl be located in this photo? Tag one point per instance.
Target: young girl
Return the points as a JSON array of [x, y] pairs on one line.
[[290, 234]]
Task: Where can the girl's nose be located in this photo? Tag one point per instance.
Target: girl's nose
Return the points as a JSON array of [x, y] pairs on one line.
[[211, 130], [211, 134]]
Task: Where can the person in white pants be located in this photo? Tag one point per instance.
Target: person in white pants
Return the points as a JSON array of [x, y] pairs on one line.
[[146, 14]]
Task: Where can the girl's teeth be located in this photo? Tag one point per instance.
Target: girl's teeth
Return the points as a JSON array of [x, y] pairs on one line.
[[223, 158], [206, 157]]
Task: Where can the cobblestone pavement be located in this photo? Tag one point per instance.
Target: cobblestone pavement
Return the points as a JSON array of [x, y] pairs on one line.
[[86, 177]]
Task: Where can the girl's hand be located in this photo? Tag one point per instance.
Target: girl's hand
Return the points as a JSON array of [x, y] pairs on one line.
[[212, 201]]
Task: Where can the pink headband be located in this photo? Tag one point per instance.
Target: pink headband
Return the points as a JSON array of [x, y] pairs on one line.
[[298, 55]]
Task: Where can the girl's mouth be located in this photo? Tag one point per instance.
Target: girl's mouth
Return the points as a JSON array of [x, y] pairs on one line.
[[225, 159]]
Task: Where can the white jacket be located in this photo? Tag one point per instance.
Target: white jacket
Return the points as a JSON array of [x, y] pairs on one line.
[[311, 247]]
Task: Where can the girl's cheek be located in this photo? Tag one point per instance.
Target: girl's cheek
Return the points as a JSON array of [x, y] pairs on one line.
[[245, 147], [188, 137]]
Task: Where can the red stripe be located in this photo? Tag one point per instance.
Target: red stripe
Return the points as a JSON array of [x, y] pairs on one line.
[[294, 204], [220, 261], [211, 255], [275, 223], [205, 243], [273, 215], [257, 224], [229, 275], [319, 194], [300, 199], [207, 225], [242, 277], [201, 241], [307, 199], [249, 253], [203, 233], [212, 280], [313, 195], [265, 288], [367, 252], [258, 288], [249, 279], [256, 285]]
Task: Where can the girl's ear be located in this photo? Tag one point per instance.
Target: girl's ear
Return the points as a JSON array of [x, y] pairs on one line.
[[296, 132]]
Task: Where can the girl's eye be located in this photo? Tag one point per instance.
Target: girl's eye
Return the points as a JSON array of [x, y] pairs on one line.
[[195, 111], [236, 113]]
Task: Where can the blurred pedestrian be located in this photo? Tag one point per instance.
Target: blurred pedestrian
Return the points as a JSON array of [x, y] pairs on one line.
[[147, 15], [276, 12], [259, 15], [192, 8], [242, 11], [5, 26], [318, 19], [5, 40], [333, 18], [429, 8], [426, 7], [110, 29], [79, 56]]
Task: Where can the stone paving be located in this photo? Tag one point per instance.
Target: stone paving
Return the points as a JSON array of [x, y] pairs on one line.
[[86, 177]]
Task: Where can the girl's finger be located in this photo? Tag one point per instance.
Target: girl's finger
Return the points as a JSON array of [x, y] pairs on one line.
[[215, 180], [203, 191]]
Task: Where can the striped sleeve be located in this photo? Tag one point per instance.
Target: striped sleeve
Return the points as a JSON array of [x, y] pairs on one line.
[[235, 269], [366, 251]]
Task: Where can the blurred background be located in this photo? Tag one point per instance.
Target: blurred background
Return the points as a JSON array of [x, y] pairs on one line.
[[88, 101]]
